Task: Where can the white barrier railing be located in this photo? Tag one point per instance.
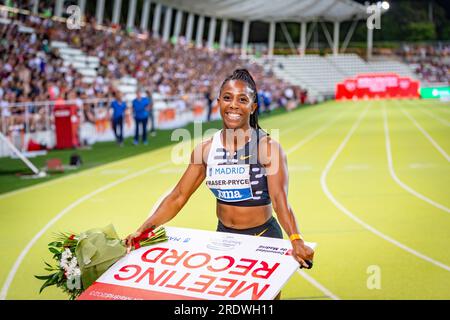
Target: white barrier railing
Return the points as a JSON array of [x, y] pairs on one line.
[[22, 122]]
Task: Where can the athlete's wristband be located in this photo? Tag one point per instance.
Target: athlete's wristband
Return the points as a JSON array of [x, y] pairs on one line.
[[295, 236]]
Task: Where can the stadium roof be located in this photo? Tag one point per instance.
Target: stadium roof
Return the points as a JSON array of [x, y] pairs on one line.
[[273, 10]]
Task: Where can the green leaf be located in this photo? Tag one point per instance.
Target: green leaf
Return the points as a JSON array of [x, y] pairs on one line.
[[57, 244], [43, 277], [55, 276], [54, 251], [50, 266], [50, 281], [45, 285]]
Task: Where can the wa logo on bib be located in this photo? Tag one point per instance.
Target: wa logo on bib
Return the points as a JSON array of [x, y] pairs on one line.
[[229, 194]]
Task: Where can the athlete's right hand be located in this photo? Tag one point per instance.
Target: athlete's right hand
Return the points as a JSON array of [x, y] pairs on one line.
[[129, 240], [302, 253]]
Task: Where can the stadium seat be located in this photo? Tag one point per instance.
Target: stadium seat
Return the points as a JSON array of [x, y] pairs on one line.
[[85, 65], [350, 64], [320, 74], [392, 66], [58, 44]]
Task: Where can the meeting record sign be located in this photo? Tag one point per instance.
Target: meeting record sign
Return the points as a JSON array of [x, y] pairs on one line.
[[197, 264]]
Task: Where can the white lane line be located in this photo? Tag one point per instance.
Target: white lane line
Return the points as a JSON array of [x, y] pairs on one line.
[[426, 134], [172, 170], [310, 279], [394, 176], [43, 184], [281, 117], [323, 182], [70, 176], [67, 209], [443, 108], [422, 165], [25, 251], [318, 285], [301, 143], [297, 146], [13, 271], [300, 168], [431, 114], [299, 125], [116, 172], [313, 113], [356, 167]]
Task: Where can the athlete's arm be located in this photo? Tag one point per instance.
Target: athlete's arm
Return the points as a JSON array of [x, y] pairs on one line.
[[274, 159], [177, 198]]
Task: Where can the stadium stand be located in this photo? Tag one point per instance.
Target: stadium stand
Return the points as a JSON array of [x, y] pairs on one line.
[[349, 64], [85, 65], [319, 74], [125, 63], [392, 66], [48, 62], [45, 63], [430, 63]]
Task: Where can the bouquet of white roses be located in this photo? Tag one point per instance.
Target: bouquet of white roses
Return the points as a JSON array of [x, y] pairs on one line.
[[81, 259]]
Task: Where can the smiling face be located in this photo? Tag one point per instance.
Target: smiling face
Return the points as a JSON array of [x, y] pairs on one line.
[[236, 102]]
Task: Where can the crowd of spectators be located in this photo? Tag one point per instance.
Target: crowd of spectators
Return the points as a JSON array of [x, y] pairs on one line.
[[31, 71], [431, 63], [171, 68]]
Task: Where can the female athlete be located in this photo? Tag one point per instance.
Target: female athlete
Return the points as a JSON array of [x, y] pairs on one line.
[[245, 169]]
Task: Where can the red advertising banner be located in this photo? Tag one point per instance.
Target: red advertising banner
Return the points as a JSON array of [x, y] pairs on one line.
[[378, 86], [198, 264]]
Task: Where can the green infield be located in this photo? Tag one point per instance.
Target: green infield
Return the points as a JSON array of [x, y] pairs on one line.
[[368, 181]]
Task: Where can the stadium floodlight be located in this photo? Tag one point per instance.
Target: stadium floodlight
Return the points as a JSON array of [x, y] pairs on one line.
[[385, 5]]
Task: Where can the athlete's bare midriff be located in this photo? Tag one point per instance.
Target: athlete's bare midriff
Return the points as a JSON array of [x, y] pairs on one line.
[[243, 217]]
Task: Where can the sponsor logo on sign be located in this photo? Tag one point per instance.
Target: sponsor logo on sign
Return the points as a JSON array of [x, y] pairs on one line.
[[178, 239], [223, 244], [272, 249], [404, 84], [350, 85]]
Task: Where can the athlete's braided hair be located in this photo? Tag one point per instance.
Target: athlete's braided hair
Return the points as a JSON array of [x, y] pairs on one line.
[[244, 75]]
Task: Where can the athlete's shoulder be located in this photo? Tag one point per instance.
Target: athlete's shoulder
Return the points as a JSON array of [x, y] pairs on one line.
[[205, 143], [201, 151], [267, 141], [269, 148]]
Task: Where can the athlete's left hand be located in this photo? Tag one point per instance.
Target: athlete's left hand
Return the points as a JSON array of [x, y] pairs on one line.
[[301, 252]]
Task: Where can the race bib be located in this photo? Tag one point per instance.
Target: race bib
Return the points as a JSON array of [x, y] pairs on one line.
[[230, 182]]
